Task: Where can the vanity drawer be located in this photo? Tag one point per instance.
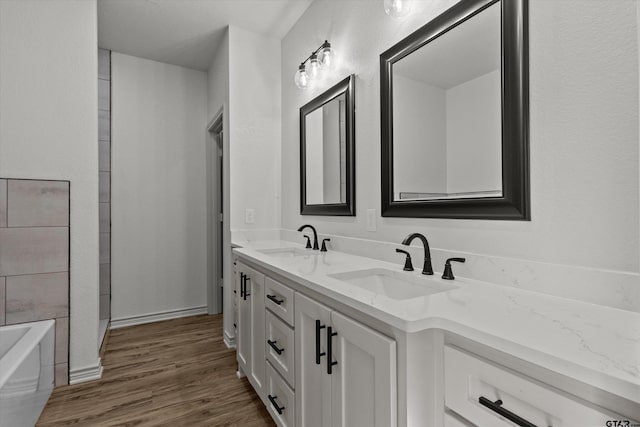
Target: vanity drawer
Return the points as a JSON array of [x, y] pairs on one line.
[[279, 299], [281, 402], [280, 346], [451, 420], [468, 378]]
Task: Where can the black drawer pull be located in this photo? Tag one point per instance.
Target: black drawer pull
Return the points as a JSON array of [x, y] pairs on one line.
[[497, 408], [273, 345], [242, 276], [246, 294], [275, 300], [274, 403], [330, 335], [319, 326]]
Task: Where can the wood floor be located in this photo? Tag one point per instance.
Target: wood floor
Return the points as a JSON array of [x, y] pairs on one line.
[[174, 373]]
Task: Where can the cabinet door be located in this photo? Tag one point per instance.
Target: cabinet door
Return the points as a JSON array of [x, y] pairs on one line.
[[243, 324], [313, 385], [255, 298], [363, 381]]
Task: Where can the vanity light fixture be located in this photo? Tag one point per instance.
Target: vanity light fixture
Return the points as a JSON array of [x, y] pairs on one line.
[[320, 59], [397, 8]]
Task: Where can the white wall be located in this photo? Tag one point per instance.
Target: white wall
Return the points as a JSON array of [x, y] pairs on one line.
[[420, 137], [244, 80], [474, 135], [49, 129], [158, 217], [218, 102], [254, 133], [584, 131]]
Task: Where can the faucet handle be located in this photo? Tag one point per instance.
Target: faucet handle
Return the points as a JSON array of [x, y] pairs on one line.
[[324, 245], [308, 241], [448, 273], [407, 261]]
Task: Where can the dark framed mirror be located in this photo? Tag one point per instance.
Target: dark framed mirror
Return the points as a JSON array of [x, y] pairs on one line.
[[455, 116], [327, 152]]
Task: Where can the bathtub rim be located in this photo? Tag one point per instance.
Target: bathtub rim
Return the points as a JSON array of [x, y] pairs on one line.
[[21, 349]]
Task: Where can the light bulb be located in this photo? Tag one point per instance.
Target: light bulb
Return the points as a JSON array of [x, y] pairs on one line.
[[313, 66], [301, 78], [327, 55], [397, 8]]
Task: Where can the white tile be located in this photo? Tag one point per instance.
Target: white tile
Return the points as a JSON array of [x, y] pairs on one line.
[[104, 125], [62, 340], [104, 181], [37, 203], [33, 250], [104, 95], [37, 297], [3, 202], [104, 64]]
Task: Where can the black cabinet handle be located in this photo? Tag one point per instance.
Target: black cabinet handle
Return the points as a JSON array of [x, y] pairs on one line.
[[318, 354], [246, 294], [330, 335], [275, 300], [497, 408], [242, 285], [273, 345], [279, 409]]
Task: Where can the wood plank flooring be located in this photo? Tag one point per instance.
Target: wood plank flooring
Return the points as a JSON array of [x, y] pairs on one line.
[[174, 373]]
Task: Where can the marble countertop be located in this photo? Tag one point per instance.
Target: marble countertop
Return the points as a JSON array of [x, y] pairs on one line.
[[597, 345]]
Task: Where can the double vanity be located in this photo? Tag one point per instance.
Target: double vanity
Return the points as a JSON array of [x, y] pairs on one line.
[[337, 339], [328, 337]]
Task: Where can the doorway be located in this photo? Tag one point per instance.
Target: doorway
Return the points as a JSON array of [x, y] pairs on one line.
[[215, 197]]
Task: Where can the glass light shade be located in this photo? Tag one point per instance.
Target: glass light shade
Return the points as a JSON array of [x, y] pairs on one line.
[[313, 67], [397, 8], [327, 56], [301, 77]]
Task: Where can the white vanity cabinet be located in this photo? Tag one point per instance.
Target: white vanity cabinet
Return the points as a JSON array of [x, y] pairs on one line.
[[314, 366], [345, 371], [251, 329], [486, 393]]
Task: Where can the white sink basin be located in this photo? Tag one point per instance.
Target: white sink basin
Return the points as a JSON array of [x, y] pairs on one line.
[[288, 252], [393, 284]]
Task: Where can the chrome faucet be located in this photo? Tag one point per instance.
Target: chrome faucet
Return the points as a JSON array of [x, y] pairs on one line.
[[315, 235], [426, 268]]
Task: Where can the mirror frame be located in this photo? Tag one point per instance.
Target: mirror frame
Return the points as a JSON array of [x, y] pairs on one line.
[[346, 86], [514, 203]]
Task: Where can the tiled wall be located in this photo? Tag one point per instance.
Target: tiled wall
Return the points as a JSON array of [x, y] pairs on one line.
[[34, 258], [104, 161]]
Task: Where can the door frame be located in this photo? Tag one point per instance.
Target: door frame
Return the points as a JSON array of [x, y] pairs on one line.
[[215, 239]]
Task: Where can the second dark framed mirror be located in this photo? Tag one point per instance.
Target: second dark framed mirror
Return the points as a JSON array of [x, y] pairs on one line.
[[455, 116], [327, 152]]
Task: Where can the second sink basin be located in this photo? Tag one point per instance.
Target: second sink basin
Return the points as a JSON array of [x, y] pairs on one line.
[[287, 252], [393, 284]]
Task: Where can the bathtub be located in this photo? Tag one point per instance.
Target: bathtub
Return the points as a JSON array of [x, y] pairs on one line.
[[26, 371]]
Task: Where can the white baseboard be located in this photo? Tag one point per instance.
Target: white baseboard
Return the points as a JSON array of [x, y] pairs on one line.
[[230, 342], [89, 373], [156, 317]]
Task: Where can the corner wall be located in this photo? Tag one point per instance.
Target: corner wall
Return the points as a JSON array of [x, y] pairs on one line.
[[584, 138], [48, 130]]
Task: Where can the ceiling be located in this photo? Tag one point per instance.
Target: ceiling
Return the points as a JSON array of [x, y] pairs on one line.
[[188, 32]]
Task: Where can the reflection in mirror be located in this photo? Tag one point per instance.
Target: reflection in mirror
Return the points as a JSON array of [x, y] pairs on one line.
[[327, 152], [326, 179], [447, 136]]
